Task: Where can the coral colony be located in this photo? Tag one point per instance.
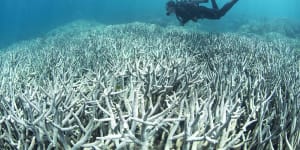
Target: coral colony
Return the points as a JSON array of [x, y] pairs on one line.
[[141, 86]]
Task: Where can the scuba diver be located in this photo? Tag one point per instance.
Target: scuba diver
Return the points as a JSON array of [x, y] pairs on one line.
[[186, 11]]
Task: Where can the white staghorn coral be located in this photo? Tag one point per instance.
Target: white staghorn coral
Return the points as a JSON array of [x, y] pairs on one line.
[[140, 86]]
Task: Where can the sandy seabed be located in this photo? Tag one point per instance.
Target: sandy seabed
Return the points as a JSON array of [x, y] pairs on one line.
[[142, 86]]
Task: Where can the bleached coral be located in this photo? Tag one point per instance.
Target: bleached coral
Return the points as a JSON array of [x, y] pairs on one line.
[[146, 87]]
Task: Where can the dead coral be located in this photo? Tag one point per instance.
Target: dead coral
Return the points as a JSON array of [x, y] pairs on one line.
[[139, 86]]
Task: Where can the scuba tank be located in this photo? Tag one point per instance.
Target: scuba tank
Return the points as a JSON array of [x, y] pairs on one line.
[[194, 1]]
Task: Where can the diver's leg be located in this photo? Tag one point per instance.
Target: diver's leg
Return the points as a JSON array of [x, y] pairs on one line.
[[226, 7], [214, 4]]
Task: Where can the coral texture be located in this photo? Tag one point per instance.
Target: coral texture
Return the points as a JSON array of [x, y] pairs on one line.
[[140, 86]]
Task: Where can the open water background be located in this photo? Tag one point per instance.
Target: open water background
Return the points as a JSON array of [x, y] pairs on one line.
[[26, 19]]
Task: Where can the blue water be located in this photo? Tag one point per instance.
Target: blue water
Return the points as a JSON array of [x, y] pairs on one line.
[[25, 19]]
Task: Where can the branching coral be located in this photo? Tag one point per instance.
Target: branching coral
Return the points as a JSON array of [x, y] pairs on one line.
[[284, 27], [139, 86]]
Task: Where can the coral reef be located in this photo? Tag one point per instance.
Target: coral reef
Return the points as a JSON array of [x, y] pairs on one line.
[[284, 27], [140, 86]]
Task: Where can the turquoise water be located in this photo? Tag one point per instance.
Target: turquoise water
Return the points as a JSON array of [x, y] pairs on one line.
[[21, 19]]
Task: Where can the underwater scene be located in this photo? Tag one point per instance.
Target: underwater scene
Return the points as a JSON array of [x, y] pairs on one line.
[[157, 75]]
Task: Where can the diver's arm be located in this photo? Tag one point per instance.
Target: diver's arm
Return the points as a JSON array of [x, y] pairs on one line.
[[182, 20], [183, 13]]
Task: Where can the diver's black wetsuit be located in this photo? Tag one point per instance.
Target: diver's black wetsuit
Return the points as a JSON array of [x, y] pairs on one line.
[[186, 11]]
